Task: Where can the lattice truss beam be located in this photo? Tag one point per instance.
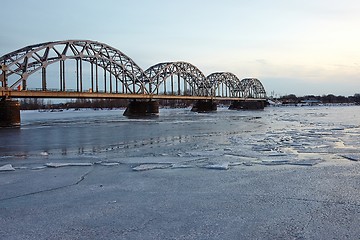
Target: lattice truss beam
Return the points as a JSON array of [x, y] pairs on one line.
[[120, 73], [31, 59], [177, 78], [225, 84], [252, 88]]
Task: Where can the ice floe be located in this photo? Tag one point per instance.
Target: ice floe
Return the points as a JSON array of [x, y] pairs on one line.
[[273, 162], [233, 164], [39, 168], [6, 168], [109, 164], [306, 162], [150, 166], [218, 166], [44, 153], [181, 165], [352, 157], [56, 165]]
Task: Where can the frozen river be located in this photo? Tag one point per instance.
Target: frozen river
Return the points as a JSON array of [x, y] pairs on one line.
[[281, 173], [281, 135]]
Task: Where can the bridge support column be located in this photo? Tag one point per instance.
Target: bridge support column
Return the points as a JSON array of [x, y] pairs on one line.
[[142, 108], [204, 106], [247, 105], [9, 113]]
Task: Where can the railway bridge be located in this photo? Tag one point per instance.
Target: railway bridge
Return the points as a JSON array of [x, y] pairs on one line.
[[89, 69]]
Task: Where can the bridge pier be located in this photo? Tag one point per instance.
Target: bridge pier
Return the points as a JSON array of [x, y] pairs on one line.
[[9, 113], [142, 108], [247, 105], [204, 106]]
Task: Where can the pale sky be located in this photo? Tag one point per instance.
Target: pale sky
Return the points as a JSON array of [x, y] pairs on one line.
[[292, 46]]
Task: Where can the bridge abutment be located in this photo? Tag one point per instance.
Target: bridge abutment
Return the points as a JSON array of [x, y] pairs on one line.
[[247, 105], [9, 113], [142, 108], [204, 106]]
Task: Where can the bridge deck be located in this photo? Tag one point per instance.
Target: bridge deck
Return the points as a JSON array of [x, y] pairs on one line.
[[93, 95]]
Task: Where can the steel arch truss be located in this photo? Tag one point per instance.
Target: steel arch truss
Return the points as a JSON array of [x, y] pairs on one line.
[[225, 84], [28, 60], [177, 78], [252, 88], [120, 73]]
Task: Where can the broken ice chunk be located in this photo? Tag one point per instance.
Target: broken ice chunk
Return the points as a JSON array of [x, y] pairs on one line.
[[7, 167], [264, 148], [306, 162], [44, 153], [38, 168], [150, 166], [219, 166], [352, 157], [109, 164], [276, 154], [56, 165], [286, 139], [21, 168], [273, 162], [232, 164], [180, 165]]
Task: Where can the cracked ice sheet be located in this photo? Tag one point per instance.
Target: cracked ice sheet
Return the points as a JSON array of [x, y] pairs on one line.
[[208, 152], [220, 162], [21, 183]]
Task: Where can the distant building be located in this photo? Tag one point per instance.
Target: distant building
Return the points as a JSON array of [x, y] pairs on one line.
[[310, 102]]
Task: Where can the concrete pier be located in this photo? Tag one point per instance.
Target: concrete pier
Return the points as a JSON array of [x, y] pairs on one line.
[[142, 108], [204, 106], [247, 105], [9, 113]]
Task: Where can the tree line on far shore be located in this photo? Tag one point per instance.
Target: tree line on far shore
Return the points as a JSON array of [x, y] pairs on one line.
[[325, 99], [39, 103]]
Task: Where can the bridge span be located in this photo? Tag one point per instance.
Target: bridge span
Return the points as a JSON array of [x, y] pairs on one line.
[[90, 69], [100, 95]]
